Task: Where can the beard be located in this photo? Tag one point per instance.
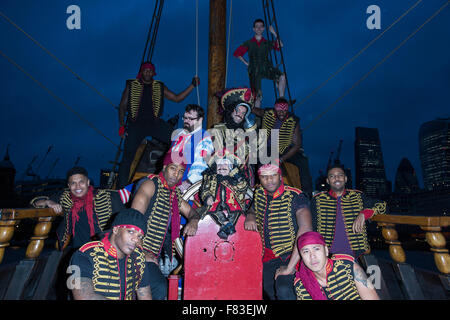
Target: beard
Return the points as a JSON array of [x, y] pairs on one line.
[[231, 124], [188, 127]]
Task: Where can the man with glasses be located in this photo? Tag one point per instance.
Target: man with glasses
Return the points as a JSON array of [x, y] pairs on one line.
[[194, 143]]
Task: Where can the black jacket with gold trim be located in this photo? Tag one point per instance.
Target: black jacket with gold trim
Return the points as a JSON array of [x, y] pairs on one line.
[[101, 264], [106, 203], [276, 217], [136, 89], [340, 282], [286, 132], [159, 212], [353, 202]]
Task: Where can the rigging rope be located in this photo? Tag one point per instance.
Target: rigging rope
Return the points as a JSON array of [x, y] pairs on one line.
[[58, 60], [196, 49], [357, 55], [56, 97], [230, 18], [376, 66], [268, 19]]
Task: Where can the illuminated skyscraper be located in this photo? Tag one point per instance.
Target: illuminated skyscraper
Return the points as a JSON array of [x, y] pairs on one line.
[[370, 174], [434, 150]]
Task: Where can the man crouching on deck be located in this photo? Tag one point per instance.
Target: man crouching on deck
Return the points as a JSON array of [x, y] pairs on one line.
[[322, 278], [159, 199]]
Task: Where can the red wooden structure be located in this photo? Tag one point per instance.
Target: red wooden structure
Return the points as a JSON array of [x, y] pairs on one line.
[[217, 269]]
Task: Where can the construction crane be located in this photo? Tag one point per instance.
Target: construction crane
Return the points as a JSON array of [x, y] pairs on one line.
[[338, 153]]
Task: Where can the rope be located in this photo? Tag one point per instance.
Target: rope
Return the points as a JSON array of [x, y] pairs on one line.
[[230, 15], [196, 49], [357, 55], [376, 66], [58, 60], [56, 97]]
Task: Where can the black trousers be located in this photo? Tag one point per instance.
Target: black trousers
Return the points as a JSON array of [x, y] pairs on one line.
[[158, 283], [136, 132], [280, 289], [302, 163]]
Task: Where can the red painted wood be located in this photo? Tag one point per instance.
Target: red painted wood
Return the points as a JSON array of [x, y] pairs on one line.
[[216, 269]]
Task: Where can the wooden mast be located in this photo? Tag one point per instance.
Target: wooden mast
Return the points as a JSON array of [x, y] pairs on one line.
[[216, 57]]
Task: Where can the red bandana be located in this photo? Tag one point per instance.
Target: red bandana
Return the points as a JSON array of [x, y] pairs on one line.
[[86, 202]]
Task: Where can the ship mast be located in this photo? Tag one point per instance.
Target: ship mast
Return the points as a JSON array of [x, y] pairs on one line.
[[216, 58]]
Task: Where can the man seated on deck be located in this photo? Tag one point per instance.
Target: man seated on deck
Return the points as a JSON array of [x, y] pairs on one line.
[[340, 215], [143, 98], [86, 210], [281, 214], [160, 201], [114, 268], [290, 145], [322, 278]]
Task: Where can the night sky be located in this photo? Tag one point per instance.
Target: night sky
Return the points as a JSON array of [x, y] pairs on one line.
[[319, 36]]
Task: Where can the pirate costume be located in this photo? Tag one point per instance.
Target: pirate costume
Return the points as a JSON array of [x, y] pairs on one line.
[[286, 131], [277, 224], [228, 193], [260, 66], [333, 216], [339, 275], [114, 278], [145, 107]]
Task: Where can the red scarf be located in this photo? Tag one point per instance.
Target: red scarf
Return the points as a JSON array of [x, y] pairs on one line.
[[86, 202], [176, 218]]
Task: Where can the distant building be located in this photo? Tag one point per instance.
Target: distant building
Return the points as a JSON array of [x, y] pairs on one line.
[[7, 176], [370, 174], [434, 150], [406, 179]]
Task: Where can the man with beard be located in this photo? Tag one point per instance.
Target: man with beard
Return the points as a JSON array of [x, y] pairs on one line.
[[160, 201], [143, 98], [86, 210], [323, 278], [194, 143], [290, 139], [114, 268], [340, 215], [280, 214], [233, 133]]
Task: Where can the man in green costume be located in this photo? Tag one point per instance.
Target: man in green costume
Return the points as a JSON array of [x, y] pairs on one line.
[[259, 65]]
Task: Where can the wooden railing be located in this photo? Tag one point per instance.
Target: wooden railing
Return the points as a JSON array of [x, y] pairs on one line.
[[9, 218], [433, 228]]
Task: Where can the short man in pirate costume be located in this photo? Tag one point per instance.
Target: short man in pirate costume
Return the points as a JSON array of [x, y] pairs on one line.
[[280, 214], [233, 134], [86, 210], [323, 278], [224, 192], [159, 200], [290, 145], [340, 215], [143, 98], [114, 268], [259, 65]]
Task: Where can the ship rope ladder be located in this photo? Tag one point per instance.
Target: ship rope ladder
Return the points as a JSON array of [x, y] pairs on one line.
[[271, 20]]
